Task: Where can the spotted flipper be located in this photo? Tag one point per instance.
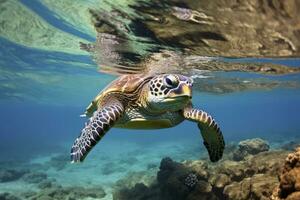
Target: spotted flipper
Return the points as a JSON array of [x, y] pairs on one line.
[[211, 133], [101, 121]]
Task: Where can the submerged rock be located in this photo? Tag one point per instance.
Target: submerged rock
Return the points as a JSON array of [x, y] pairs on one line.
[[254, 146], [250, 147], [289, 187]]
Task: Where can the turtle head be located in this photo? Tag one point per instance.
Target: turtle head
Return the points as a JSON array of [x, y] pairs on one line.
[[169, 92]]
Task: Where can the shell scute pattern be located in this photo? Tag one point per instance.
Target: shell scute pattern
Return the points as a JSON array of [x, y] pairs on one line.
[[124, 85]]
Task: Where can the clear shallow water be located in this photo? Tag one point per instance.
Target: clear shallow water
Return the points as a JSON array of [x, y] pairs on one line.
[[42, 94]]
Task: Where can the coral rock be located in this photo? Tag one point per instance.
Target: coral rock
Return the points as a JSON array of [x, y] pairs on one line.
[[289, 187], [238, 190], [262, 186], [266, 162], [234, 170], [203, 187], [294, 196], [198, 166], [220, 180], [250, 147], [259, 186]]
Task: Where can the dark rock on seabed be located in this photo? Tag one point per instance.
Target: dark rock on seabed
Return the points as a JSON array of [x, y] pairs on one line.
[[58, 162], [34, 177], [7, 175], [58, 192], [68, 193], [8, 196], [290, 146], [251, 178], [48, 188]]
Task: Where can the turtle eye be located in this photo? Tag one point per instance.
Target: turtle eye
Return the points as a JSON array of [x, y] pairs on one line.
[[171, 81]]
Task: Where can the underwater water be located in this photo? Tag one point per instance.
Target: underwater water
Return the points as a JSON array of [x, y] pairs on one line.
[[46, 82]]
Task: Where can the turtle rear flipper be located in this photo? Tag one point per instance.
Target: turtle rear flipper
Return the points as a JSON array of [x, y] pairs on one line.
[[101, 121]]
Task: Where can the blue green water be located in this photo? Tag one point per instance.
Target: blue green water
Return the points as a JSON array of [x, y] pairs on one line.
[[42, 94]]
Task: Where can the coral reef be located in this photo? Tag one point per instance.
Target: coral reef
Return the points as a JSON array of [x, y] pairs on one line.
[[289, 187], [253, 177]]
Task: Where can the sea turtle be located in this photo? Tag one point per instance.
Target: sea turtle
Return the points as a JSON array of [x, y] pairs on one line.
[[145, 101]]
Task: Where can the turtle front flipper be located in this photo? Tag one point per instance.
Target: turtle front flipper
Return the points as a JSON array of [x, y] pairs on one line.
[[211, 133], [101, 121]]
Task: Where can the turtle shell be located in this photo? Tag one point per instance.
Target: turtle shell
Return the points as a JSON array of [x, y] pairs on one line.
[[125, 85]]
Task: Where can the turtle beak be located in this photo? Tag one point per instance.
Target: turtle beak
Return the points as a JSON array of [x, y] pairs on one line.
[[186, 90], [183, 91]]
